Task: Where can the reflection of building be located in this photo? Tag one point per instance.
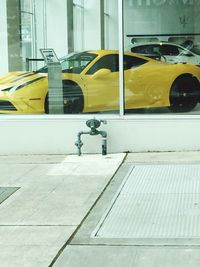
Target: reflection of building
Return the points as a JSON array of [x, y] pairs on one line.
[[41, 27], [161, 17]]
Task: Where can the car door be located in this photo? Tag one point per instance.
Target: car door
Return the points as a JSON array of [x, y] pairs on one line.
[[102, 84], [137, 86]]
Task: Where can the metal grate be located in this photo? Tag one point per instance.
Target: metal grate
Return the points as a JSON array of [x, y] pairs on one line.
[[161, 201], [6, 192]]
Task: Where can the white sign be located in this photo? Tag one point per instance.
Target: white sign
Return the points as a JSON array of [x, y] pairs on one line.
[[49, 55]]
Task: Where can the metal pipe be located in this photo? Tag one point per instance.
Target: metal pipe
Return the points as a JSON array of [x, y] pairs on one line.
[[104, 142], [104, 146], [93, 124], [79, 143]]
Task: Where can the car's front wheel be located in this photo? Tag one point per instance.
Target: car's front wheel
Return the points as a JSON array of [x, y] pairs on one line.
[[184, 94], [73, 100]]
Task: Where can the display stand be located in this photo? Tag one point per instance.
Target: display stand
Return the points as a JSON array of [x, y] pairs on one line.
[[55, 86]]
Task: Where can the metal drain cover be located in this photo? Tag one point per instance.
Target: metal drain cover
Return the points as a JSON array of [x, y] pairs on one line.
[[155, 201], [6, 192]]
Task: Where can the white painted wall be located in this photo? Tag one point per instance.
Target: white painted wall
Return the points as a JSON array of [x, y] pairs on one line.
[[78, 18], [92, 25], [111, 27], [3, 39], [40, 27], [52, 32], [47, 135], [57, 26]]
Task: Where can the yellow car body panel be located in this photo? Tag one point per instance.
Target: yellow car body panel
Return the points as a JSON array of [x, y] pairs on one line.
[[147, 85], [29, 99]]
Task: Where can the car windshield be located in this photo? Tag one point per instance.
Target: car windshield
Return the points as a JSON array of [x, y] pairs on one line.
[[73, 63]]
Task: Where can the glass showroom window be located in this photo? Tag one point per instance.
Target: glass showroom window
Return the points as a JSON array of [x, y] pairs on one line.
[[98, 89], [79, 76], [162, 62]]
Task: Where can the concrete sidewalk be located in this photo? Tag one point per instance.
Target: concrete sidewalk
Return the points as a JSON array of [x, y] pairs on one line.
[[50, 198], [50, 207], [148, 216]]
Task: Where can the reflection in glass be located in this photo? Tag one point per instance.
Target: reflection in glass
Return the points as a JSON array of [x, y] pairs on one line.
[[90, 83], [89, 75], [169, 81]]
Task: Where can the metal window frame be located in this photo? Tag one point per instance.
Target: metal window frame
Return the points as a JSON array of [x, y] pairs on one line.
[[121, 53]]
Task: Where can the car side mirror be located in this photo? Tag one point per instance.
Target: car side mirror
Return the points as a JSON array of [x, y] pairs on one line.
[[101, 73]]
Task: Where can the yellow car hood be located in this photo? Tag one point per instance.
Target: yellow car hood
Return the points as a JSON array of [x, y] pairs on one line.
[[15, 79]]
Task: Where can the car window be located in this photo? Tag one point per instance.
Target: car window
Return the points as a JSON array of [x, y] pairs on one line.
[[73, 63], [138, 49], [77, 62], [133, 62], [146, 49], [196, 49], [110, 62], [184, 52], [169, 50]]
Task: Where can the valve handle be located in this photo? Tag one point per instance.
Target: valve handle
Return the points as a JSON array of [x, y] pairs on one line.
[[93, 123]]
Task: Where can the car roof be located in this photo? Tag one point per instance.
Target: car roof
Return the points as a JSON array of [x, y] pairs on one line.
[[158, 43], [128, 53], [186, 49]]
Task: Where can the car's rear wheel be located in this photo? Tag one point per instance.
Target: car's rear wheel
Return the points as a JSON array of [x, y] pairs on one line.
[[184, 94], [73, 100]]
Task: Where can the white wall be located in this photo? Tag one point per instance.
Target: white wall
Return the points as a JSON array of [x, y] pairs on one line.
[[45, 135], [52, 32], [111, 27], [40, 27], [92, 25], [3, 39], [57, 26]]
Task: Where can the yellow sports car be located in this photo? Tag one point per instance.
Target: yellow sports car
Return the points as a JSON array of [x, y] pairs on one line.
[[91, 84]]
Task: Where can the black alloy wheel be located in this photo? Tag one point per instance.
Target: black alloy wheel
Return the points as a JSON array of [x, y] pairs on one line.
[[184, 94], [73, 100]]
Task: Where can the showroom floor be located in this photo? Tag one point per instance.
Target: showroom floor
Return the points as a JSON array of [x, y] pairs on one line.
[[78, 211]]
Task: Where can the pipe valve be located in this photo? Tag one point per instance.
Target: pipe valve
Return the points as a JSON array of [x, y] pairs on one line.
[[93, 124]]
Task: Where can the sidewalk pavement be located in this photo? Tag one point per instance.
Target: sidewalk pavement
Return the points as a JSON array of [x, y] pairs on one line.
[[44, 200], [51, 196]]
